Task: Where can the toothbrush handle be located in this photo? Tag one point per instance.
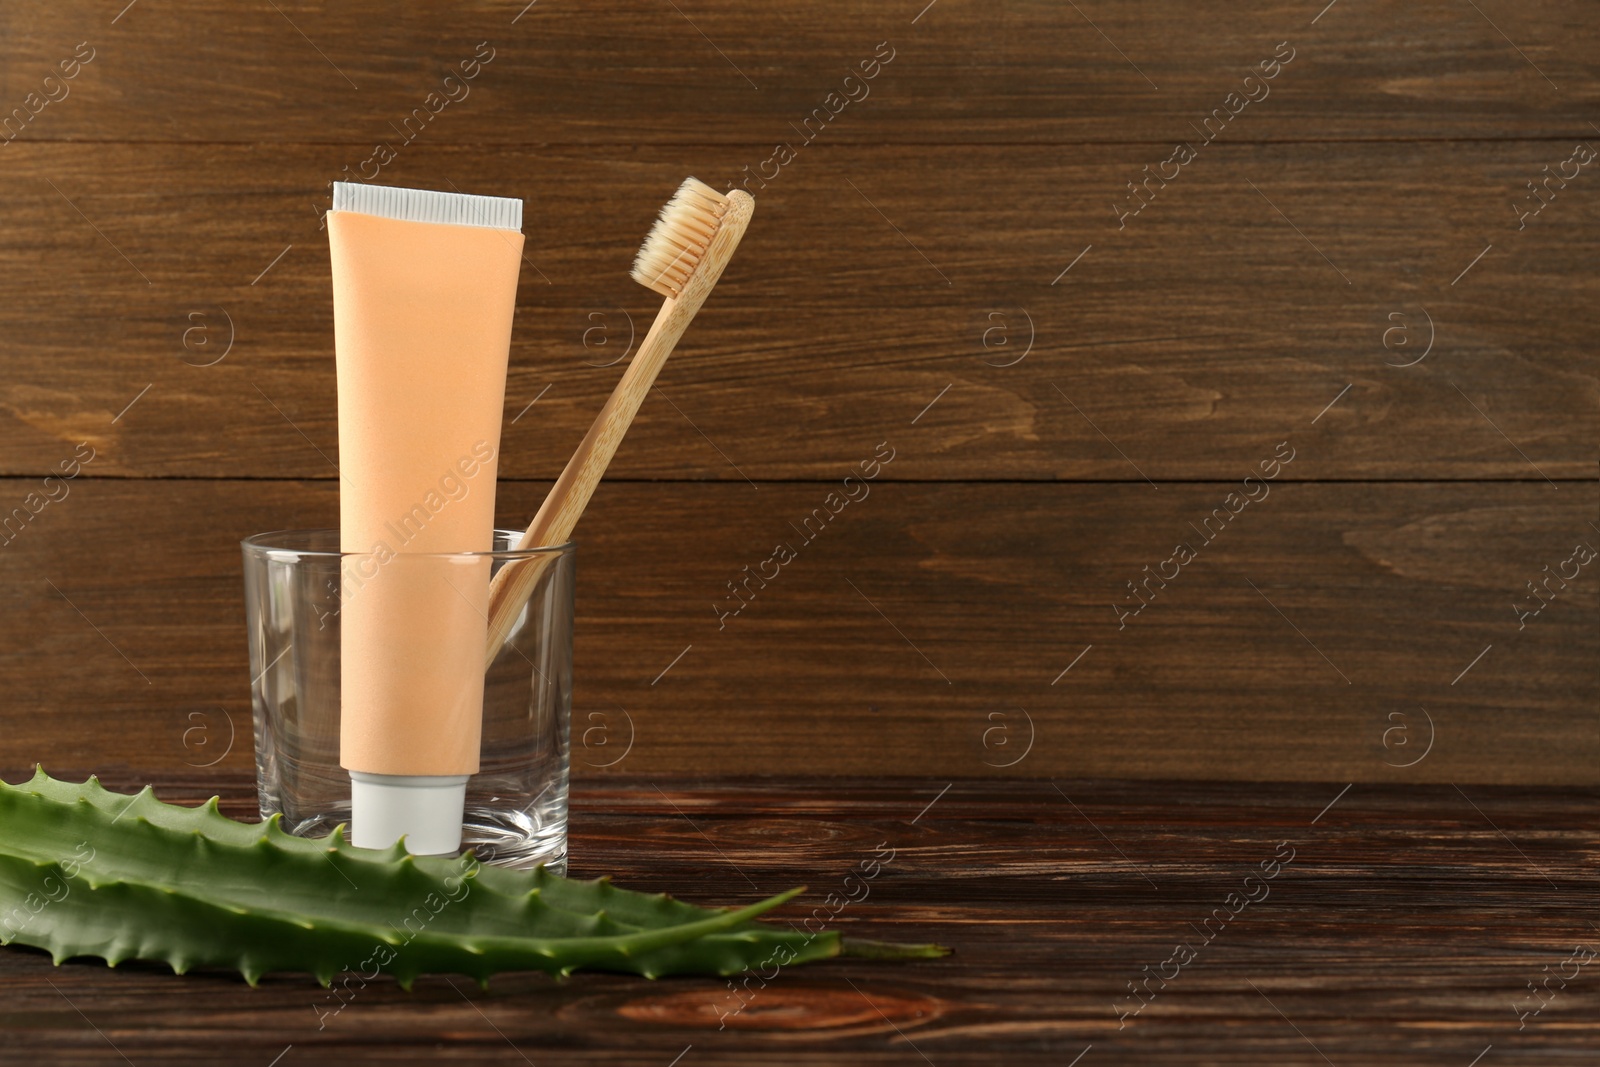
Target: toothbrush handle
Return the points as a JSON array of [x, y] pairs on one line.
[[567, 499], [561, 509]]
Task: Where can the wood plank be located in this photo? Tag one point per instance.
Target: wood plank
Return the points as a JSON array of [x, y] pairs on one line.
[[1403, 930], [1181, 346], [1326, 633], [720, 71]]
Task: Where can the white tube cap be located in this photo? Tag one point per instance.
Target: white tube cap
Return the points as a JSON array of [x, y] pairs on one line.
[[425, 809]]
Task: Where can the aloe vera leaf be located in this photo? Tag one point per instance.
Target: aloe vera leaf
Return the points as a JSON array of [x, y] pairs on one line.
[[87, 872], [860, 948], [118, 920], [191, 887], [500, 909], [625, 910]]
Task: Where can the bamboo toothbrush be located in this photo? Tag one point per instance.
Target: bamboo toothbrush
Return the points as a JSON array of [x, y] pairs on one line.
[[681, 259]]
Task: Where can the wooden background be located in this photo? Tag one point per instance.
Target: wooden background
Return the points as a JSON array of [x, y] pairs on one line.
[[905, 281]]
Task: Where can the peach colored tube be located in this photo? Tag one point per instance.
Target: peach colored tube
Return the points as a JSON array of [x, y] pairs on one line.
[[422, 332]]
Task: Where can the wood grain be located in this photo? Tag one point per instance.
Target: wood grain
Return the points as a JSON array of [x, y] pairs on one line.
[[717, 71], [1327, 632], [1180, 347], [946, 268], [1403, 930], [167, 305]]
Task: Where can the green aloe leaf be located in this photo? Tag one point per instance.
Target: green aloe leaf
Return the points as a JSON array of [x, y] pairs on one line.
[[88, 872]]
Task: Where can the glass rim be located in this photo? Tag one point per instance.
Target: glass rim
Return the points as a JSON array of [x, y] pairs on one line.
[[262, 544]]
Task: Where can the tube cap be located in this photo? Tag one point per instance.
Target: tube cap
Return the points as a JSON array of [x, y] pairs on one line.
[[426, 810]]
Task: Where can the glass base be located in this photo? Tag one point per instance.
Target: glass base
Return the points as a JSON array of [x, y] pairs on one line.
[[514, 839]]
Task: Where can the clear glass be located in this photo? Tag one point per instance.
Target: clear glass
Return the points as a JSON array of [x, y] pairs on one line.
[[516, 812]]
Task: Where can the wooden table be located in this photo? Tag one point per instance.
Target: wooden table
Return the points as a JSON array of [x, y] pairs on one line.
[[1387, 925]]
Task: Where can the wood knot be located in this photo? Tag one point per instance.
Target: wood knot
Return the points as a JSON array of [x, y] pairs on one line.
[[785, 1007]]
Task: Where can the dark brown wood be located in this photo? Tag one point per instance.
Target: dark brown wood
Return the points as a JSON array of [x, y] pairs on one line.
[[1403, 929], [717, 71], [166, 300], [1180, 346], [1327, 632]]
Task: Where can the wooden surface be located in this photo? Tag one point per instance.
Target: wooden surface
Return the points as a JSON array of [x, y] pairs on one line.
[[1404, 930], [928, 625], [1192, 339], [941, 269], [637, 72]]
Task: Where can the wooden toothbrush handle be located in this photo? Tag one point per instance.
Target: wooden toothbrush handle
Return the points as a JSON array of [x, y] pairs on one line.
[[559, 514], [563, 506]]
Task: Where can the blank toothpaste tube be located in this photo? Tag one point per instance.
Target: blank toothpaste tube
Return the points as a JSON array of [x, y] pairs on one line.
[[424, 286]]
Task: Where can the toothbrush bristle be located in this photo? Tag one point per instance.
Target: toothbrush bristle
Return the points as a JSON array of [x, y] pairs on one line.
[[679, 238]]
